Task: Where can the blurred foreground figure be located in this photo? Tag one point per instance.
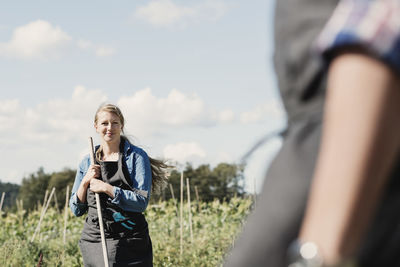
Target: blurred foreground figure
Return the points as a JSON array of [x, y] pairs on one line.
[[332, 195]]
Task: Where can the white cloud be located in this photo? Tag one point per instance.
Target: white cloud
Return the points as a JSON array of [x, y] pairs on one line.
[[224, 157], [8, 107], [147, 114], [41, 40], [71, 118], [35, 40], [268, 110], [57, 119], [53, 133], [226, 115], [49, 134], [11, 120], [84, 44], [184, 152], [104, 51], [165, 13], [99, 50]]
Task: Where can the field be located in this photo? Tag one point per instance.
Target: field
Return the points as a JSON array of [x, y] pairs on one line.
[[214, 227]]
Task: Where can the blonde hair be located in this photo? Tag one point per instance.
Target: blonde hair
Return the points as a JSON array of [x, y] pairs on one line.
[[159, 168]]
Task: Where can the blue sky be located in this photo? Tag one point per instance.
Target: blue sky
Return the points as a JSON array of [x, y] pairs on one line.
[[194, 80]]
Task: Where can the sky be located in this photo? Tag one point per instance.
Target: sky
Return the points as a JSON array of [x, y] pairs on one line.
[[194, 80]]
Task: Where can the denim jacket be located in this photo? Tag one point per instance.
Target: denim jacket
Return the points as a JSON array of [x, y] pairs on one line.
[[138, 165]]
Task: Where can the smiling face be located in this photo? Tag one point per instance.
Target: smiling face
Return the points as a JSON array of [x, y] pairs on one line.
[[108, 126]]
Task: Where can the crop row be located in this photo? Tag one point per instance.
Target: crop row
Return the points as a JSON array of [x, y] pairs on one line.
[[214, 227]]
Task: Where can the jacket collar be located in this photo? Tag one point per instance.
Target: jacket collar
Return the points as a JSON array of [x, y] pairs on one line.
[[126, 146]]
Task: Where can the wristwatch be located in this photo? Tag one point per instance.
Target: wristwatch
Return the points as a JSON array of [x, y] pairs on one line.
[[304, 255]]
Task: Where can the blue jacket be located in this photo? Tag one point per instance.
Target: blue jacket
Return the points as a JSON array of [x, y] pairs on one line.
[[138, 165]]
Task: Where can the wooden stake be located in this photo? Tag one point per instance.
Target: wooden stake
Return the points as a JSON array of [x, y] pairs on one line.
[[66, 214], [173, 198], [172, 191], [2, 201], [21, 211], [197, 193], [45, 198], [181, 219], [197, 198], [37, 230], [190, 211], [17, 202], [56, 202]]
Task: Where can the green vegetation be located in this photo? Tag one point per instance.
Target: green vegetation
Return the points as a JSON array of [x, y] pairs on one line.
[[33, 187], [219, 207], [11, 191], [222, 182], [215, 225]]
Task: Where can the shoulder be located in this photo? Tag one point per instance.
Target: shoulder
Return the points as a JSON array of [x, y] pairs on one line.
[[84, 163], [139, 152], [130, 149], [141, 160]]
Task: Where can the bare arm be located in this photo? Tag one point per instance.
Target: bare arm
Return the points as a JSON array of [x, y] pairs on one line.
[[359, 143]]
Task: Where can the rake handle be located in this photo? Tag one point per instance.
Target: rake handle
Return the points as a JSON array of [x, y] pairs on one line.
[[98, 206]]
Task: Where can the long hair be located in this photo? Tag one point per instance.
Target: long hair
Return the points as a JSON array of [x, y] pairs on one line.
[[160, 172], [160, 169]]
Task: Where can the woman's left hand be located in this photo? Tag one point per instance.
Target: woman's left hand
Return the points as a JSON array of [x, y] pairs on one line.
[[99, 186]]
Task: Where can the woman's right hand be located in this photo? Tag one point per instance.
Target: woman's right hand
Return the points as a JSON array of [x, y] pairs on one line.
[[92, 173]]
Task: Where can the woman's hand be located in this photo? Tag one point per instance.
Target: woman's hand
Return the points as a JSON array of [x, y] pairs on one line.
[[92, 174], [99, 186]]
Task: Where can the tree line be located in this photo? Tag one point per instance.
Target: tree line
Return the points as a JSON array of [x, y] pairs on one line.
[[222, 182]]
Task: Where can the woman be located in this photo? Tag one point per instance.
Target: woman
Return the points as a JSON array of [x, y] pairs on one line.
[[124, 176]]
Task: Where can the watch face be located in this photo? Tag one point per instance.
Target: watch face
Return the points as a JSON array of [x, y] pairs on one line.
[[309, 251], [304, 255]]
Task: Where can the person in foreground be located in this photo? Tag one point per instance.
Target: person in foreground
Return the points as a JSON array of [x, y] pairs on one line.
[[331, 197], [123, 176]]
